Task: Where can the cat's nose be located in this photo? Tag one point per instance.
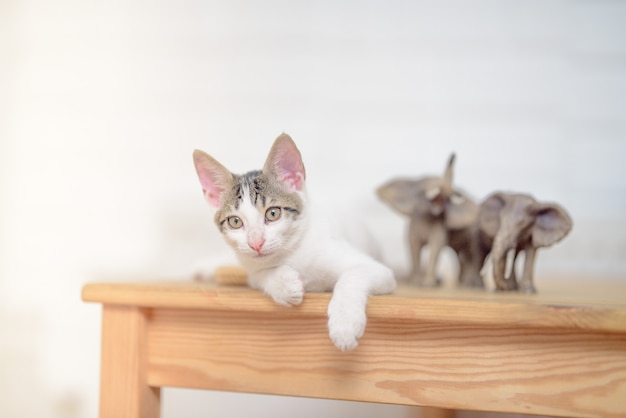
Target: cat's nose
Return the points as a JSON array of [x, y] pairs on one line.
[[256, 245]]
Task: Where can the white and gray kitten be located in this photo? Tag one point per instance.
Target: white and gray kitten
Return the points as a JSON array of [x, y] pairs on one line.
[[288, 247]]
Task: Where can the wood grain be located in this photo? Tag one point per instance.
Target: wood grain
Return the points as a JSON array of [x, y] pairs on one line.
[[124, 391], [523, 370], [550, 354], [583, 307]]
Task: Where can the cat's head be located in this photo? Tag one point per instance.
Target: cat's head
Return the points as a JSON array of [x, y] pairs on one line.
[[260, 213]]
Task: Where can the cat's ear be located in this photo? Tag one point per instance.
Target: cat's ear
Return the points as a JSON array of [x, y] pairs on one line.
[[285, 163], [214, 177]]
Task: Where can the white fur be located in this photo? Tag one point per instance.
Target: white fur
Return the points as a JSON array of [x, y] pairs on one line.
[[308, 255]]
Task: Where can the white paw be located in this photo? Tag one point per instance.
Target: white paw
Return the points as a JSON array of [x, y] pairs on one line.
[[345, 325], [204, 270], [285, 287]]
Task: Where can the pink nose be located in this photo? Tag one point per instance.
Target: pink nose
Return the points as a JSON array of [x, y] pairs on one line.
[[257, 245]]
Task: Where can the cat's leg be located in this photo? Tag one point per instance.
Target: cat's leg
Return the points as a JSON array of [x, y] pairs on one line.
[[283, 284], [347, 308], [416, 243]]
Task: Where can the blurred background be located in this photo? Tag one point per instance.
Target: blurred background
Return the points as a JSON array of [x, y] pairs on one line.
[[102, 103]]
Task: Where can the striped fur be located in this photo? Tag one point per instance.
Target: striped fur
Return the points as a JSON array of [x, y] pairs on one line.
[[262, 191]]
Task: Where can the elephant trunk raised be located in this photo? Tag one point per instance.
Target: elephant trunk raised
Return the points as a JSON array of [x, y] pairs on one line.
[[441, 215], [440, 193], [446, 180]]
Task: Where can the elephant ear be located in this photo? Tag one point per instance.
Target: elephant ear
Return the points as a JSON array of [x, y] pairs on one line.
[[489, 214], [401, 194], [552, 223], [461, 211]]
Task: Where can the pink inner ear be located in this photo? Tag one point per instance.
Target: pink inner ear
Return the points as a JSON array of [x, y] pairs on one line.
[[213, 196], [211, 188], [292, 179], [285, 163], [213, 177], [290, 169], [212, 192]]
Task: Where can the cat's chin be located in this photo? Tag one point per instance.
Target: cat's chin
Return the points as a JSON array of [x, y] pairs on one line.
[[262, 260], [250, 255], [260, 256]]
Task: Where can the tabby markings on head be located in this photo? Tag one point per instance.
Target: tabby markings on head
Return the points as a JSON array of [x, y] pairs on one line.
[[261, 191]]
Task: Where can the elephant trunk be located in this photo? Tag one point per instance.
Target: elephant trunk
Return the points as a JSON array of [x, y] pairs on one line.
[[446, 181], [502, 247]]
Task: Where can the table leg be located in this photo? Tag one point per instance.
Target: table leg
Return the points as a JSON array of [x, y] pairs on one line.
[[123, 388]]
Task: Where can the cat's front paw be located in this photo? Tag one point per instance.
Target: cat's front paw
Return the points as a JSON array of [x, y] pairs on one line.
[[204, 270], [285, 287], [345, 325]]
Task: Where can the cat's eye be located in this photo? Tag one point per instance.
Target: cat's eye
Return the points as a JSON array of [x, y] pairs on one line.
[[235, 222], [272, 214]]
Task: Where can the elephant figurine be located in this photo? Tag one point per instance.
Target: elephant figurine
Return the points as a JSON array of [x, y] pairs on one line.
[[518, 222], [439, 215]]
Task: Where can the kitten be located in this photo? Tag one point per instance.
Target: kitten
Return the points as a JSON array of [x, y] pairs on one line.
[[286, 245]]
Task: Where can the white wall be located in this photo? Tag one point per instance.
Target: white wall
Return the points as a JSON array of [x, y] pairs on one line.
[[102, 102]]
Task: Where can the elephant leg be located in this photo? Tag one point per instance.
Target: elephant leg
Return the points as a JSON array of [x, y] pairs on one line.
[[512, 273], [416, 243], [436, 242], [469, 272], [526, 284], [470, 263]]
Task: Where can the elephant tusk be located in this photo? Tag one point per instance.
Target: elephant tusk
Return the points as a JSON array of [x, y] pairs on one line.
[[509, 270]]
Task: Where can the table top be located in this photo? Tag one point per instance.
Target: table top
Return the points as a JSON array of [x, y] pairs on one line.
[[589, 303]]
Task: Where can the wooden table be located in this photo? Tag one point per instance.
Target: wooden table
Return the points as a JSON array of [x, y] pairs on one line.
[[560, 353]]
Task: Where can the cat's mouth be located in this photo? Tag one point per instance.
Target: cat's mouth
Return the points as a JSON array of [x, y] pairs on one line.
[[259, 254], [265, 255]]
